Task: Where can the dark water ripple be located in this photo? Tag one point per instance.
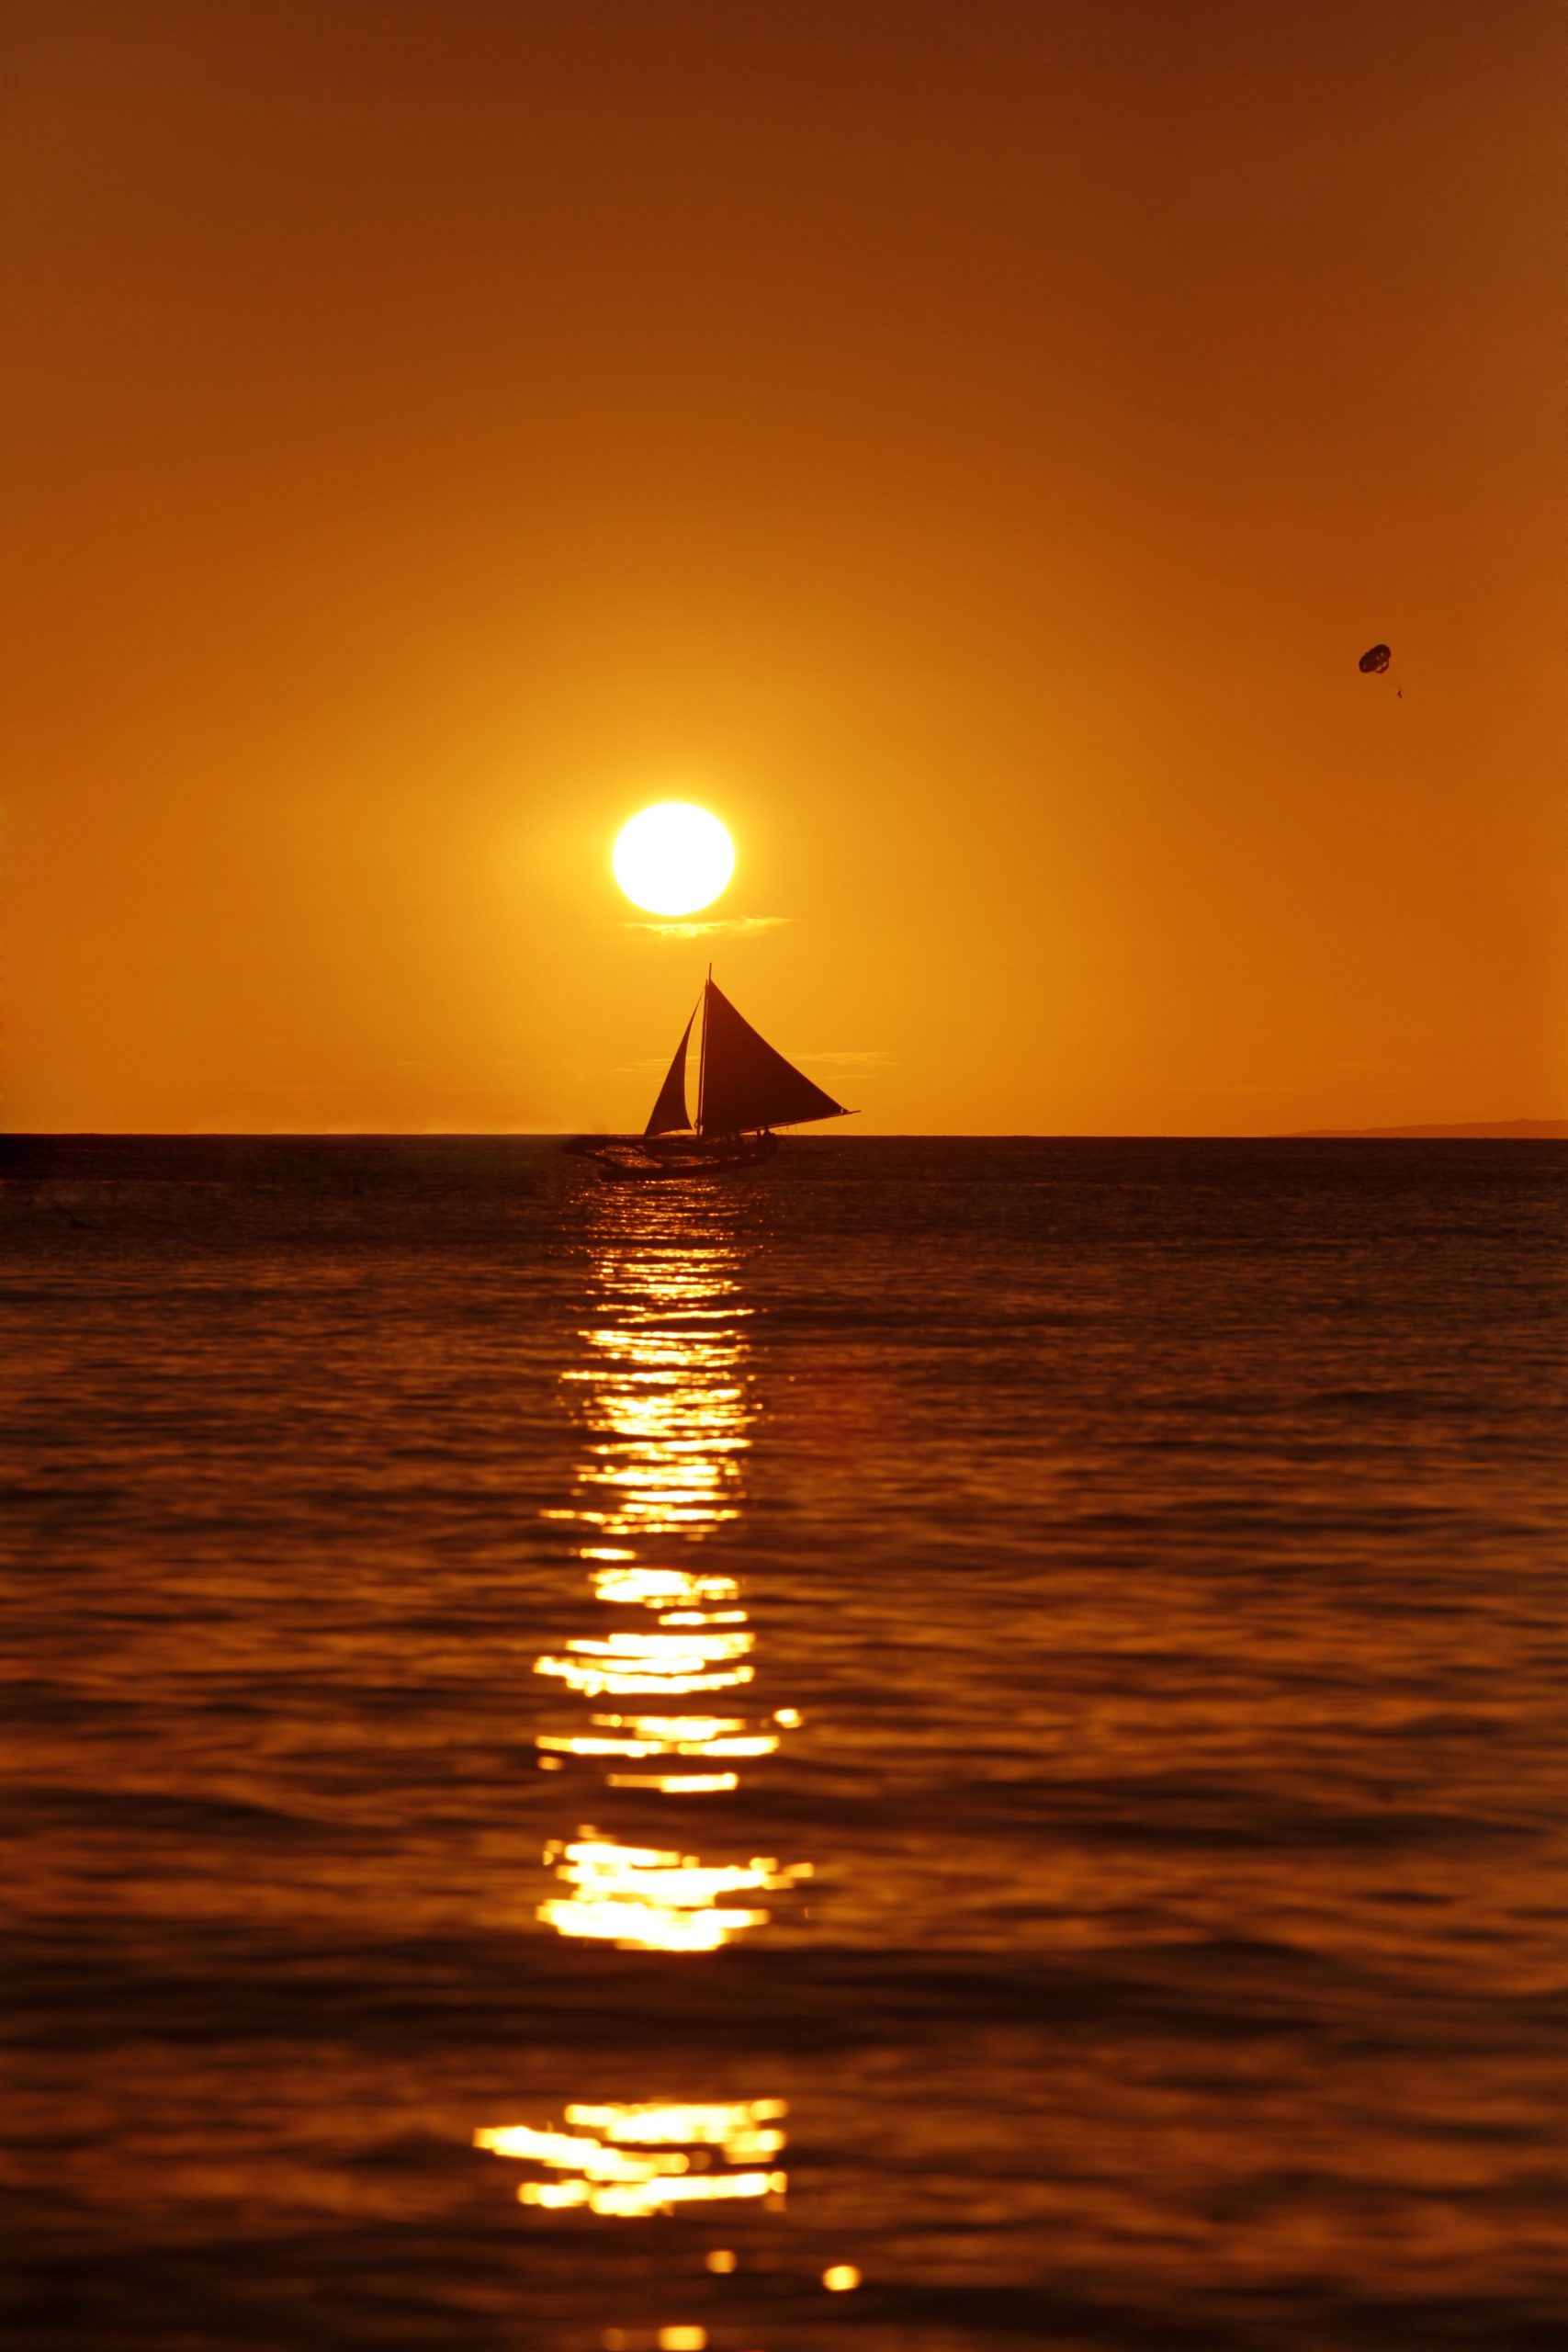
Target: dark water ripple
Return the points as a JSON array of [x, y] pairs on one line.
[[1162, 1547]]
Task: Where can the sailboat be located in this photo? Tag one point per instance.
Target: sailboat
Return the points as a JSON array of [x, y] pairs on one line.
[[745, 1090]]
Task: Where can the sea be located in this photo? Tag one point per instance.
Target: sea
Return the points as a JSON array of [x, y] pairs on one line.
[[936, 1744]]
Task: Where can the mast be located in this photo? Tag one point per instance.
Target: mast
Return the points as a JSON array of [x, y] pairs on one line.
[[703, 1051]]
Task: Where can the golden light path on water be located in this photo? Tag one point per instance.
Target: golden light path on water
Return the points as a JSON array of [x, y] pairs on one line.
[[630, 2160], [660, 1678], [658, 1899], [667, 1406]]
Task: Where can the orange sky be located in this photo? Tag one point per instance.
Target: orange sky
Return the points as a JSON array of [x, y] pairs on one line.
[[968, 446]]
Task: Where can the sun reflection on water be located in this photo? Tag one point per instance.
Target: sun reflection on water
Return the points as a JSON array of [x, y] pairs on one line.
[[629, 2160], [660, 1675], [666, 1407], [643, 1897]]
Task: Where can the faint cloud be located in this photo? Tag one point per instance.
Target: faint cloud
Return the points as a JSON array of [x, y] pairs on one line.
[[731, 923], [853, 1057], [303, 1086]]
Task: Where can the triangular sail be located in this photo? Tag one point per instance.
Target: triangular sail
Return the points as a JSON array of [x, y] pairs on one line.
[[669, 1114], [745, 1083]]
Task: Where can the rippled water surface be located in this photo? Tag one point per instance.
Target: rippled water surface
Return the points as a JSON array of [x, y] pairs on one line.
[[591, 1763]]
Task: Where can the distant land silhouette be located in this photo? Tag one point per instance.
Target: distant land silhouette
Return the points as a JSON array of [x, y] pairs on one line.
[[1475, 1130]]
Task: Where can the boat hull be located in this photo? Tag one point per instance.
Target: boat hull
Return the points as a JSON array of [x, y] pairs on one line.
[[660, 1160]]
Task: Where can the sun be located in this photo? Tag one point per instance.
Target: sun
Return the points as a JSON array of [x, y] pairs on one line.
[[673, 858]]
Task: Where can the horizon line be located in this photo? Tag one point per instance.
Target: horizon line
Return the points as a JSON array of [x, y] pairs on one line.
[[1432, 1130]]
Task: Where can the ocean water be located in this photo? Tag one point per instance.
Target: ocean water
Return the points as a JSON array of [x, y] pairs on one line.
[[592, 1764]]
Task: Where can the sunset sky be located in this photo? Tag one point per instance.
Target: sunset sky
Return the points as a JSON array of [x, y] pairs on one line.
[[965, 446]]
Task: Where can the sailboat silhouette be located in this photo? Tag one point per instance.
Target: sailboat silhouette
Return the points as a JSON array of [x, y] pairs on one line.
[[745, 1090]]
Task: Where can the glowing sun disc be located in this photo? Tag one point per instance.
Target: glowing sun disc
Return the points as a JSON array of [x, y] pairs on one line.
[[672, 858]]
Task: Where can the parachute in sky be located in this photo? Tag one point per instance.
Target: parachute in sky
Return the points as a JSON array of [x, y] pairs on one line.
[[1375, 660]]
